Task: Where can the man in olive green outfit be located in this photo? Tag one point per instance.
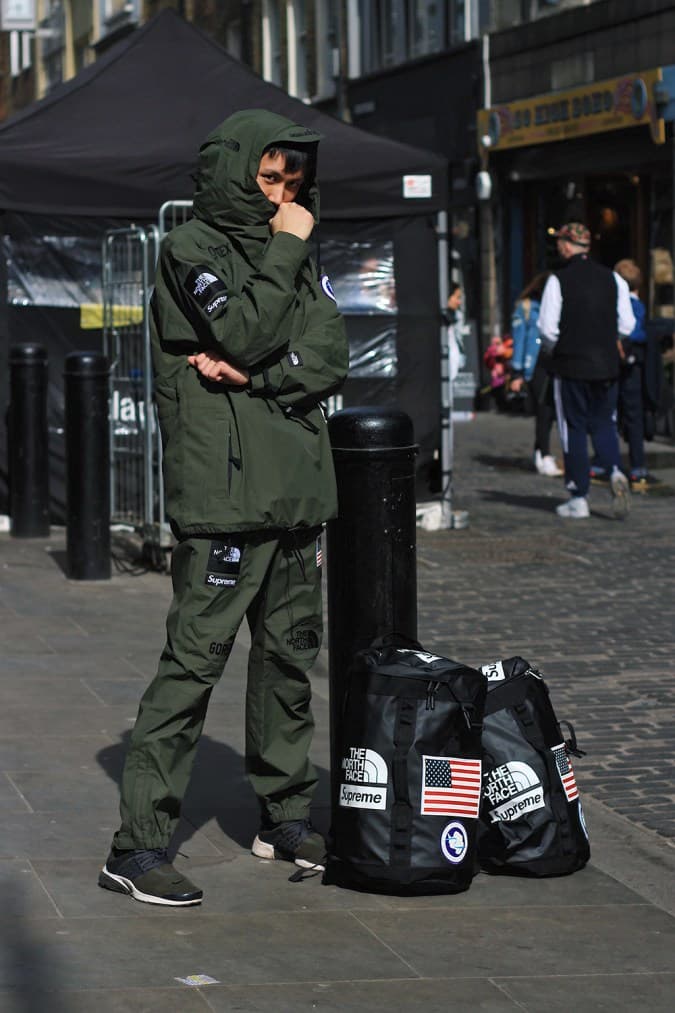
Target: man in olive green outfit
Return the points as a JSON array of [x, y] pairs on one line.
[[247, 341]]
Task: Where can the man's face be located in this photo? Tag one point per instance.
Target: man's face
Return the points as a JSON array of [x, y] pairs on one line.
[[567, 249], [279, 186]]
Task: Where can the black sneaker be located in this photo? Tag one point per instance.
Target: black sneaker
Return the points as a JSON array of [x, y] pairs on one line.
[[148, 876], [293, 841]]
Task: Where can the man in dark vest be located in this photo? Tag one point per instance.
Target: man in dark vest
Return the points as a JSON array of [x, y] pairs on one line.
[[585, 310]]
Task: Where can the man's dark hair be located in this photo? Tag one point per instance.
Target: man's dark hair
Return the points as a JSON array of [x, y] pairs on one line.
[[297, 159]]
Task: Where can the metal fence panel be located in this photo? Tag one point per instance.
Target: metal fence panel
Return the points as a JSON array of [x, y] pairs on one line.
[[129, 257]]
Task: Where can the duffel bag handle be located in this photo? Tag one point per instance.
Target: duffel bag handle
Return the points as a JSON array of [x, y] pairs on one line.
[[395, 639], [571, 743]]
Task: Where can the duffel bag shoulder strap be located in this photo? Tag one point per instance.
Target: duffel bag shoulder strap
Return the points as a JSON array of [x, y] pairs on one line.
[[402, 811], [558, 795]]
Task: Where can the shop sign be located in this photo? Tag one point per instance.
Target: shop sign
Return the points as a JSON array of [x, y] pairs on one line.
[[17, 15], [615, 104]]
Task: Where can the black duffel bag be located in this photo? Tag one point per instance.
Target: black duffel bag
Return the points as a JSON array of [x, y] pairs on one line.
[[531, 819], [405, 818]]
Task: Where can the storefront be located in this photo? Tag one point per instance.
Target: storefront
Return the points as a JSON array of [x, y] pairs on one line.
[[596, 154]]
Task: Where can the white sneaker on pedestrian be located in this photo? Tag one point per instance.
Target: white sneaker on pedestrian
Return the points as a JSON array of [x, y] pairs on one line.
[[620, 487], [576, 508], [546, 465]]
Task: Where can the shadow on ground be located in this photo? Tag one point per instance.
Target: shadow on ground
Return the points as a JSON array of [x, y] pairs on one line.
[[219, 790], [34, 976], [544, 503]]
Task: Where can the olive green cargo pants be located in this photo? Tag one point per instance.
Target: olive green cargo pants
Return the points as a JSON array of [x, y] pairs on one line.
[[276, 584]]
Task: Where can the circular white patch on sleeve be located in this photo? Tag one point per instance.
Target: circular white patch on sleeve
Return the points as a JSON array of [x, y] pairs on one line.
[[327, 287]]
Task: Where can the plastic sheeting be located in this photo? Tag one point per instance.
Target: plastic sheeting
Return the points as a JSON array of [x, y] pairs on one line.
[[53, 270], [362, 276]]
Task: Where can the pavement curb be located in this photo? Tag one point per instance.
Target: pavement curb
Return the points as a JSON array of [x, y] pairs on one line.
[[636, 857]]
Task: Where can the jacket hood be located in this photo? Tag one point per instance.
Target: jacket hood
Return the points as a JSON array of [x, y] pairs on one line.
[[226, 192]]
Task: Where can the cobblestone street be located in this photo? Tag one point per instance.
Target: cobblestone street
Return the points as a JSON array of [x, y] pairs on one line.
[[589, 602]]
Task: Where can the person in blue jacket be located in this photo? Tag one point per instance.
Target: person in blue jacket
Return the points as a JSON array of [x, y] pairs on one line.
[[633, 355], [530, 364]]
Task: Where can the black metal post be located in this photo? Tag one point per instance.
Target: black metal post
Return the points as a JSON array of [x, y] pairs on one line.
[[371, 546], [28, 437], [87, 466]]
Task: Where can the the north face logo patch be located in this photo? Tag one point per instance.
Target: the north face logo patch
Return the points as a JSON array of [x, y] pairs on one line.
[[303, 640], [205, 287]]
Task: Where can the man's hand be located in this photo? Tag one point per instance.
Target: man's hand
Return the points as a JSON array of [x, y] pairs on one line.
[[215, 368], [292, 218]]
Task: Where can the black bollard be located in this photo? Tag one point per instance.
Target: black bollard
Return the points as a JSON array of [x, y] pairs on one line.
[[87, 466], [28, 436], [371, 546]]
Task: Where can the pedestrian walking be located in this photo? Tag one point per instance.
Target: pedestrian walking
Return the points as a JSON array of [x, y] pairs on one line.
[[531, 366], [247, 342], [585, 311], [632, 380]]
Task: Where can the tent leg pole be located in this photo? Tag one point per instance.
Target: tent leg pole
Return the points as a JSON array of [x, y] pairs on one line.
[[446, 382]]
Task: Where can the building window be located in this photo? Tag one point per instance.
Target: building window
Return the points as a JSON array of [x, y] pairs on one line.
[[427, 26], [20, 52], [296, 33], [393, 33], [271, 41], [327, 47], [233, 42]]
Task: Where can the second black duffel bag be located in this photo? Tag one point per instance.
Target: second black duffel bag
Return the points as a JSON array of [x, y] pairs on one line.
[[532, 822]]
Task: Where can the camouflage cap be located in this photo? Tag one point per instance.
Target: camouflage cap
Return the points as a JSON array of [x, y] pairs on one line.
[[574, 232]]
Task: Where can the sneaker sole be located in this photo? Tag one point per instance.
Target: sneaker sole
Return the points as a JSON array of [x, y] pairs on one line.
[[621, 501], [118, 884], [262, 850]]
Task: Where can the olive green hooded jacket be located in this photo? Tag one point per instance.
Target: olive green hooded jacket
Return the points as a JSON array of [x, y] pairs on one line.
[[254, 458]]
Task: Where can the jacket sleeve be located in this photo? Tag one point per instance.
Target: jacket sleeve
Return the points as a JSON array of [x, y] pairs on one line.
[[244, 328], [518, 335], [311, 367]]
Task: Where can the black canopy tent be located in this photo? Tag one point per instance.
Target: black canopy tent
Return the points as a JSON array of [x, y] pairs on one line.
[[117, 141]]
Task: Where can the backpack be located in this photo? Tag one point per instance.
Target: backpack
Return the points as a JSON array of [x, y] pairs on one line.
[[531, 818], [405, 816]]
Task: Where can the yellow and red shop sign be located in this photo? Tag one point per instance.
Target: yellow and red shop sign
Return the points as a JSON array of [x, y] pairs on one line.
[[615, 104]]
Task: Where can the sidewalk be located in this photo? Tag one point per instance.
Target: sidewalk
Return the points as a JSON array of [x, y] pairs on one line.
[[590, 602]]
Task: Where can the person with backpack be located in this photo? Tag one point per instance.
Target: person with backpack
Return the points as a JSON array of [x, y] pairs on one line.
[[531, 365]]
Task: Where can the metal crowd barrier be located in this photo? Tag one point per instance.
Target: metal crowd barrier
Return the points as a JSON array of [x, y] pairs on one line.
[[137, 496]]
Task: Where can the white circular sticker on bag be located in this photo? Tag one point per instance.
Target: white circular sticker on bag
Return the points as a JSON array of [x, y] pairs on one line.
[[454, 842]]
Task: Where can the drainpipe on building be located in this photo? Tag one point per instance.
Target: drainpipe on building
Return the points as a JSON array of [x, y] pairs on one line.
[[341, 94], [488, 267]]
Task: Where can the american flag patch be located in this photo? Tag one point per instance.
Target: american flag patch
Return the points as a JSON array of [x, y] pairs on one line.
[[319, 552], [450, 786], [565, 770]]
